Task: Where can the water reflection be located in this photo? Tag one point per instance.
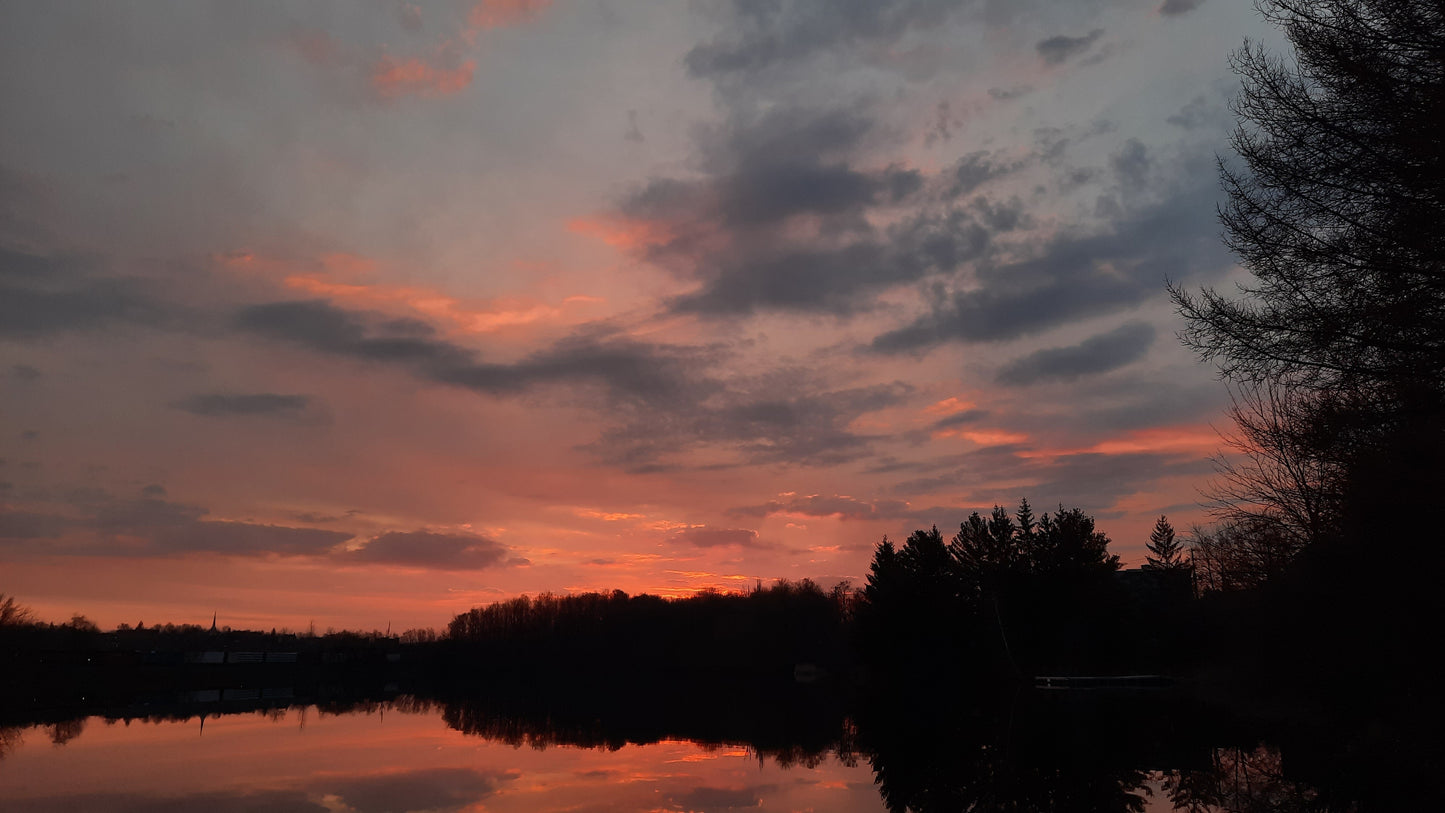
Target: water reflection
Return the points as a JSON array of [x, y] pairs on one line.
[[330, 750], [395, 756]]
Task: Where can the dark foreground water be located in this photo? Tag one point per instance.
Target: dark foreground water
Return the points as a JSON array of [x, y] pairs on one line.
[[217, 751]]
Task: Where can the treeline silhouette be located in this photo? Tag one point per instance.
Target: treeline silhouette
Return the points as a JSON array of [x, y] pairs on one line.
[[1006, 597], [1016, 596], [765, 633]]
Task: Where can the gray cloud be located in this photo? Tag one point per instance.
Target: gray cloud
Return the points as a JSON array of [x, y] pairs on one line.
[[1060, 49], [18, 526], [662, 400], [1009, 94], [1199, 112], [718, 538], [1097, 354], [1131, 163], [432, 550], [733, 229], [967, 416], [24, 372], [1074, 278], [768, 34], [978, 168], [318, 325], [1092, 481], [784, 418], [220, 405], [246, 539], [42, 295], [1174, 8], [817, 505], [629, 369], [148, 526]]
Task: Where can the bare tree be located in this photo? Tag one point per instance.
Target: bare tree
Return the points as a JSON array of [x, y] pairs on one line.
[[1338, 340], [14, 614]]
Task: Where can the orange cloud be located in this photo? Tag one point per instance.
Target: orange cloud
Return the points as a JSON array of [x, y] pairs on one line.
[[983, 437], [1183, 439], [337, 262], [622, 233], [493, 316], [391, 78], [948, 406], [502, 13]]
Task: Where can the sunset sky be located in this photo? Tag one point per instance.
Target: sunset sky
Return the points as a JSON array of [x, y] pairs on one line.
[[366, 313]]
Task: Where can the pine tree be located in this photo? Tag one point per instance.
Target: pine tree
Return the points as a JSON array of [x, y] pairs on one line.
[[1165, 552], [1025, 517]]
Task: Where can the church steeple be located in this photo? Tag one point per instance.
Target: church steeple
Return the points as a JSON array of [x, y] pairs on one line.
[[213, 621]]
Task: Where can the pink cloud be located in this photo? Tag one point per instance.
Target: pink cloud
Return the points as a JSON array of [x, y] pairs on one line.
[[503, 13], [391, 77]]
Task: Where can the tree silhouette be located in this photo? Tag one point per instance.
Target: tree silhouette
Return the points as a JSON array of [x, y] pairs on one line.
[[14, 614], [1339, 339], [1165, 552]]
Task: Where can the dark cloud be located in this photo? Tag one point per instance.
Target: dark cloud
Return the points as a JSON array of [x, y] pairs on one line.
[[1097, 481], [41, 295], [1174, 8], [439, 790], [1009, 94], [704, 537], [431, 550], [1074, 278], [147, 526], [321, 326], [978, 168], [116, 516], [783, 418], [1097, 354], [19, 526], [24, 372], [817, 505], [247, 539], [1093, 481], [153, 490], [661, 400], [633, 134], [784, 217], [1199, 112], [221, 405], [1155, 400], [629, 369], [1131, 163], [314, 518], [1060, 49], [960, 418], [769, 34]]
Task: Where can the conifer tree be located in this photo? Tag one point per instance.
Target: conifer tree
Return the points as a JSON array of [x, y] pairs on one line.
[[1165, 552]]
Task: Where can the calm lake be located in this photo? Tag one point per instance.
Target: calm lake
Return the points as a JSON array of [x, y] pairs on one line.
[[384, 759], [409, 755]]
